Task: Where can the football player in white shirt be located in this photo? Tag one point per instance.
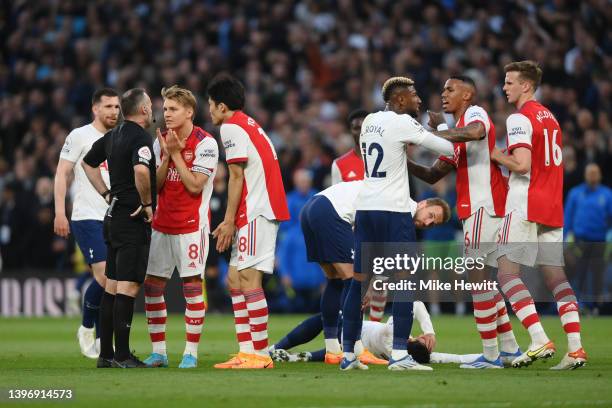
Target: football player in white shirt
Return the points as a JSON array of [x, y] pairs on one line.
[[384, 207], [326, 222], [88, 207], [378, 337]]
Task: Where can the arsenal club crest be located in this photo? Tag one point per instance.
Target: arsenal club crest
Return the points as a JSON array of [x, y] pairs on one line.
[[188, 155]]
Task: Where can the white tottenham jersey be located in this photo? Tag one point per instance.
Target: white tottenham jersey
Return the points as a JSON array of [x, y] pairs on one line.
[[383, 140], [343, 196], [378, 337], [88, 204]]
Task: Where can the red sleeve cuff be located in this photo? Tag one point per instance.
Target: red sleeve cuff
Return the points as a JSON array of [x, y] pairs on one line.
[[237, 160], [449, 161], [514, 146]]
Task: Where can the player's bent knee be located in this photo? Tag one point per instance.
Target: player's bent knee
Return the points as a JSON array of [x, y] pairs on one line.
[[344, 270], [250, 279], [111, 286], [128, 288], [360, 277], [98, 269]]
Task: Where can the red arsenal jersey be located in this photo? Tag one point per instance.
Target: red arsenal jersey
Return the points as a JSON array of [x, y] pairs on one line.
[[537, 195], [263, 192], [348, 167], [179, 211], [479, 181]]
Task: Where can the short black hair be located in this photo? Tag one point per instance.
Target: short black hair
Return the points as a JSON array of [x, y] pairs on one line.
[[131, 101], [97, 96], [418, 351], [357, 113], [464, 78], [224, 88]]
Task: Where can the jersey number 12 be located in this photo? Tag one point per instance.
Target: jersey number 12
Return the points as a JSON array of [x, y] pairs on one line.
[[365, 152]]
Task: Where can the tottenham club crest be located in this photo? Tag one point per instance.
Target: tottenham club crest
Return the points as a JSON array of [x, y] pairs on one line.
[[188, 155]]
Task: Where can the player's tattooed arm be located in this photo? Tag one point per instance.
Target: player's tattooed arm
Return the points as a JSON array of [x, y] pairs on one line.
[[430, 174], [473, 131]]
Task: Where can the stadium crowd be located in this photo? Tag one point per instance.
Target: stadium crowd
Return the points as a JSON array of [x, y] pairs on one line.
[[305, 65]]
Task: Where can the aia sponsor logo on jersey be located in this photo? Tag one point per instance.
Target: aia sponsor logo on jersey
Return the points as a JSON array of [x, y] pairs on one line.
[[515, 131], [188, 155]]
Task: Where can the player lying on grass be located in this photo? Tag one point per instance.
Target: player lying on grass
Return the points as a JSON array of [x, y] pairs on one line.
[[326, 222], [377, 337]]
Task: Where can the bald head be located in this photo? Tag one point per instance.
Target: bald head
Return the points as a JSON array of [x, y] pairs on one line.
[[592, 175]]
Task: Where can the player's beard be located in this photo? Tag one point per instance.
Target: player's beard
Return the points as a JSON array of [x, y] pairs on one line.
[[109, 123]]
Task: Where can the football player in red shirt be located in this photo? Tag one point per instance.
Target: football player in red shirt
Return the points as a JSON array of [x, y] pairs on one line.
[[349, 166], [186, 158], [481, 199], [532, 232], [256, 204]]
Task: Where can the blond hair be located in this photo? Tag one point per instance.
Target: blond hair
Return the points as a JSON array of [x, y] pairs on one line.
[[181, 95], [528, 71], [392, 83]]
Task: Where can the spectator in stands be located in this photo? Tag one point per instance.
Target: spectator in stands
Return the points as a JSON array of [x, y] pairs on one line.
[[588, 217]]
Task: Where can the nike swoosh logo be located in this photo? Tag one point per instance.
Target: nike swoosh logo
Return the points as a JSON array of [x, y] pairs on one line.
[[534, 353]]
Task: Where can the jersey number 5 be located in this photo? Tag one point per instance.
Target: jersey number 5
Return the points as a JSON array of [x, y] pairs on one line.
[[552, 148], [365, 151]]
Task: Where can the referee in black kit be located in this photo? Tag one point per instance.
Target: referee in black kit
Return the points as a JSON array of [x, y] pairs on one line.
[[128, 150]]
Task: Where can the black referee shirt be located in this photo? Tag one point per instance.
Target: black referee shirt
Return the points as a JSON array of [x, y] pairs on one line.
[[124, 147]]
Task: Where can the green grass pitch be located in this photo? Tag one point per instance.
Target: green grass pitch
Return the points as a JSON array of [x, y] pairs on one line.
[[43, 354]]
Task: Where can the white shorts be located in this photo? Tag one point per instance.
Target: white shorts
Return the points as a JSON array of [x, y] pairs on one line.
[[254, 245], [186, 252], [480, 236], [529, 243]]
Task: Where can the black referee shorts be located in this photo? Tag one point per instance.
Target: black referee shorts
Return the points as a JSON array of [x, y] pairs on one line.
[[128, 241]]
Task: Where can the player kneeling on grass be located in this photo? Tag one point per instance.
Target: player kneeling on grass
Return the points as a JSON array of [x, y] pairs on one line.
[[326, 222], [186, 158]]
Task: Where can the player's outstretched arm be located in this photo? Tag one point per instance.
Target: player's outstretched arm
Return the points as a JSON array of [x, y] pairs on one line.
[[519, 161], [473, 131], [430, 174], [60, 225]]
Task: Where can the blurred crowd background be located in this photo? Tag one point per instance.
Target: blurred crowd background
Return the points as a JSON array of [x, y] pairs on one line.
[[305, 65]]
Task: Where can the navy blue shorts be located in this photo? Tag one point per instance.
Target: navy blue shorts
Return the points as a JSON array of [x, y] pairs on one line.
[[329, 239], [89, 235], [381, 227]]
